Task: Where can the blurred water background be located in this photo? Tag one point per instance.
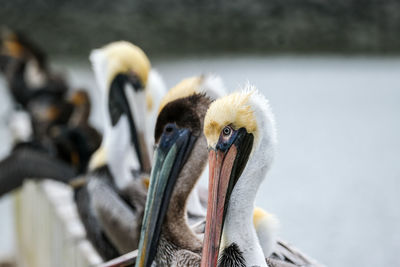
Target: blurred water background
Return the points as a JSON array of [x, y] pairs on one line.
[[329, 68]]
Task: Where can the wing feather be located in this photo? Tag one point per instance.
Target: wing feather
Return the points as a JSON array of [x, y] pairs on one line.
[[26, 163]]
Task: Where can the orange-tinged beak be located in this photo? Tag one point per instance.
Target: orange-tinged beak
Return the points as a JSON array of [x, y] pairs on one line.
[[226, 164], [220, 168]]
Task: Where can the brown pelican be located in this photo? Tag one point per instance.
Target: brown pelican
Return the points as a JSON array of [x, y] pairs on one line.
[[73, 143], [62, 151], [34, 87], [241, 138], [42, 96], [112, 200], [118, 57], [213, 86], [180, 158], [28, 72], [77, 140]]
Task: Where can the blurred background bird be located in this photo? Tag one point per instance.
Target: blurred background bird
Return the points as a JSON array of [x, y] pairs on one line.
[[45, 117], [112, 196]]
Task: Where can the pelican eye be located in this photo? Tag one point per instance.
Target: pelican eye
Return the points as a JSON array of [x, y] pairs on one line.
[[169, 129], [135, 81], [225, 139], [227, 131]]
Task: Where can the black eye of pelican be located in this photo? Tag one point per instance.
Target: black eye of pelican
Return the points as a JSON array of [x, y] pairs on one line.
[[134, 80], [169, 128]]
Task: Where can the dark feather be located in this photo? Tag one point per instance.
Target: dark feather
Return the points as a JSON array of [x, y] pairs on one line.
[[55, 87], [232, 256], [25, 163], [186, 112]]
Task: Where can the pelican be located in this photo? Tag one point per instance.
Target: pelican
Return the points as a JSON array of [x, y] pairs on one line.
[[43, 123], [112, 194], [213, 86], [112, 197], [27, 71], [77, 140], [61, 156], [64, 154], [33, 85], [241, 139], [180, 158]]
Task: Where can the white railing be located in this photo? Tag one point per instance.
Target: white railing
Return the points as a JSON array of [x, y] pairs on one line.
[[48, 229]]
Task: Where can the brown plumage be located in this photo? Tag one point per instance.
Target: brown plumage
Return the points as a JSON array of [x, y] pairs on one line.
[[179, 245]]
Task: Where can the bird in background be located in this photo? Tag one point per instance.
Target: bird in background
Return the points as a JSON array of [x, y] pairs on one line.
[[44, 105], [111, 196], [50, 129]]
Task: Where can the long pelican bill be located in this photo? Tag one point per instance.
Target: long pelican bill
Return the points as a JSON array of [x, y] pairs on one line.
[[119, 103], [226, 163], [173, 150]]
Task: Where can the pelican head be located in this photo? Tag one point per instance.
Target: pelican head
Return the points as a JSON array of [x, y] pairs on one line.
[[180, 148], [11, 45], [17, 46], [239, 129], [121, 70], [18, 50]]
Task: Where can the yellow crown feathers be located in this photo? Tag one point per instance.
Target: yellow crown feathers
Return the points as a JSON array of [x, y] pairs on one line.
[[186, 87], [234, 110], [124, 57]]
